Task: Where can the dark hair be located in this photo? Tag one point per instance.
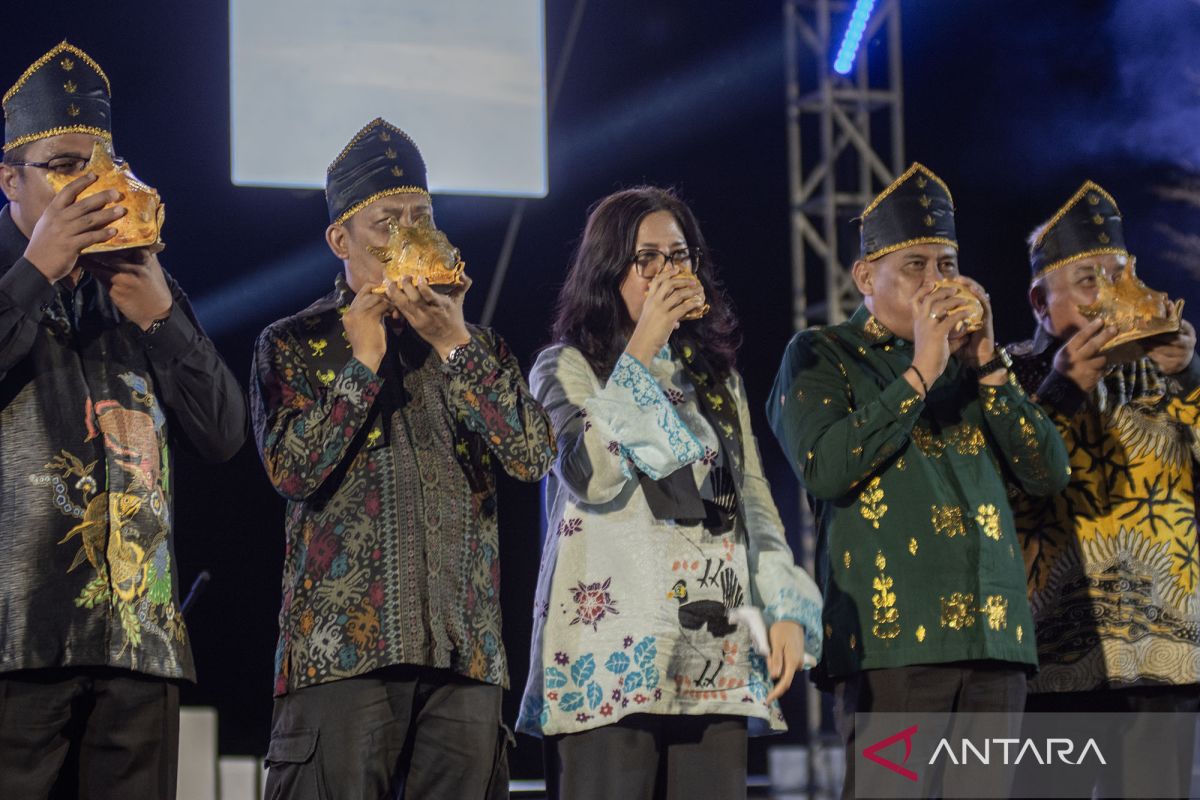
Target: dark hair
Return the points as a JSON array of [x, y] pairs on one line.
[[591, 316]]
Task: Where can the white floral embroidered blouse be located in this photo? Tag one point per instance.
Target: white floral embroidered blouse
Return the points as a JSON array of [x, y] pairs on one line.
[[631, 612]]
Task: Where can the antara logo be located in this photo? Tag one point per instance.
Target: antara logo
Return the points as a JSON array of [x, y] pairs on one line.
[[872, 752], [1060, 751], [1050, 751]]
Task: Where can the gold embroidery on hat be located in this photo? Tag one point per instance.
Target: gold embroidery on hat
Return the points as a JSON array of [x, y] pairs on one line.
[[73, 110], [1097, 219], [390, 153], [398, 172], [361, 204], [364, 132], [925, 201], [878, 254], [928, 221], [846, 559], [1099, 251], [920, 633], [923, 174], [1020, 634], [62, 47], [67, 64], [912, 546], [384, 136], [91, 130], [1104, 238], [70, 87], [1092, 192]]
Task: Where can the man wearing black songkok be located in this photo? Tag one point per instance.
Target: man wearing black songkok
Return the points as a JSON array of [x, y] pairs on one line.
[[1114, 583], [103, 372], [903, 427], [379, 416]]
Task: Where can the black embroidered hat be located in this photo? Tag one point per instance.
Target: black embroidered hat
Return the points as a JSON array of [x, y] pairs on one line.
[[64, 91], [380, 160], [916, 209], [1089, 224]]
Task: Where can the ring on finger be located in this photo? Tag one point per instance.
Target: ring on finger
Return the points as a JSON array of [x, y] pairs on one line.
[[933, 315]]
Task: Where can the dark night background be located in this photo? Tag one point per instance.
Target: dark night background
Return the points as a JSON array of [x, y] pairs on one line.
[[1013, 103]]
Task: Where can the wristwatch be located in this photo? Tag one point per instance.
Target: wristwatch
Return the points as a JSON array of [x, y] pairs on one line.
[[154, 326], [1002, 360], [456, 353]]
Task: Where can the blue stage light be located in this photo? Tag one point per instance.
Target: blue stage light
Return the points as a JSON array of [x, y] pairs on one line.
[[853, 37]]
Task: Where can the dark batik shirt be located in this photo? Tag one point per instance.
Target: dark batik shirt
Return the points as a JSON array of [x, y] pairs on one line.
[[392, 548], [90, 409], [918, 556], [1112, 561]]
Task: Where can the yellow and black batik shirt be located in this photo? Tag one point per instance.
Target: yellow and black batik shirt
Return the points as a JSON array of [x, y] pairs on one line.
[[1112, 560]]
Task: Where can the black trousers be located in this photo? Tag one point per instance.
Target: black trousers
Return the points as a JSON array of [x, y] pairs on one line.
[[1169, 770], [650, 757], [88, 733], [401, 732], [981, 687]]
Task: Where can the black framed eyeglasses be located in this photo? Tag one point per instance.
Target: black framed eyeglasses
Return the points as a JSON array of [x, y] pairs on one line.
[[61, 165], [650, 262]]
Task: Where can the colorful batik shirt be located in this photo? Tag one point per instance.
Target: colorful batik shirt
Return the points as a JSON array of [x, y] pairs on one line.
[[90, 411], [918, 556], [632, 612], [1112, 560], [392, 548]]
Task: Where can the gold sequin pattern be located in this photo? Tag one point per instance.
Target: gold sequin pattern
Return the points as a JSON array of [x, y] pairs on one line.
[[988, 520], [948, 521], [968, 440], [872, 506], [958, 610], [993, 402], [996, 612], [885, 614], [932, 446]]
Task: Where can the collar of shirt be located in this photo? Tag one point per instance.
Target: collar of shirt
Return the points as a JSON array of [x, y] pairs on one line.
[[1043, 340], [875, 332]]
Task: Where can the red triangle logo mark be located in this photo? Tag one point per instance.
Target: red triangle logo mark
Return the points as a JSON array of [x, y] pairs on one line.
[[872, 752]]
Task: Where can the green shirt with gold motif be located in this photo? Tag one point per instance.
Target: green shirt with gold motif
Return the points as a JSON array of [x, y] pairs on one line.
[[918, 557]]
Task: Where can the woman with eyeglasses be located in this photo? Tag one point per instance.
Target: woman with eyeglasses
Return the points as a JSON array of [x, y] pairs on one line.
[[664, 559]]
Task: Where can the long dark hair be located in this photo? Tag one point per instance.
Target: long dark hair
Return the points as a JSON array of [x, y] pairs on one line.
[[590, 314]]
